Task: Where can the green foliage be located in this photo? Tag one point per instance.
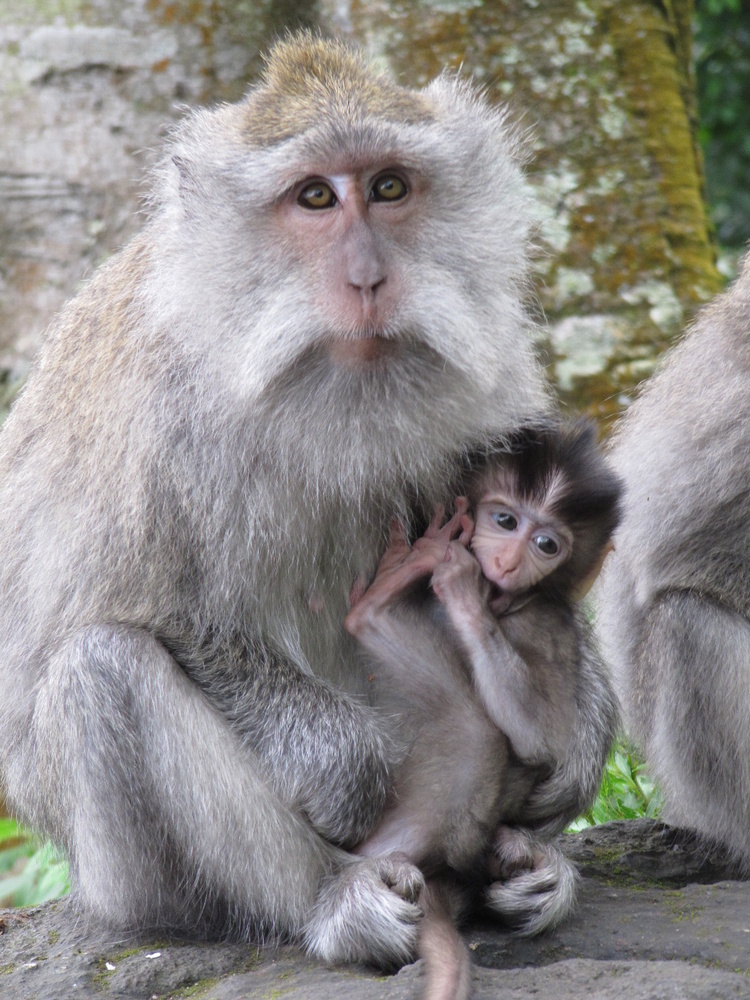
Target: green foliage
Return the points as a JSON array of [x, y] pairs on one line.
[[30, 872], [722, 62], [627, 792]]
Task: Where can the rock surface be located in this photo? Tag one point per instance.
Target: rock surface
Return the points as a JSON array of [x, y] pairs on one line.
[[660, 917]]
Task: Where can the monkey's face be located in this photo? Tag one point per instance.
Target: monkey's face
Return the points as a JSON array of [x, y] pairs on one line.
[[353, 290], [383, 249], [347, 233], [356, 239], [517, 543]]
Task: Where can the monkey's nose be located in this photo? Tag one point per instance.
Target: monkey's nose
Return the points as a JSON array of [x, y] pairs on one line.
[[509, 561], [368, 288], [368, 295], [364, 268]]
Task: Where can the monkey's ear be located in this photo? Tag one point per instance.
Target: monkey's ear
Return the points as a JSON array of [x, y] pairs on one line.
[[588, 581]]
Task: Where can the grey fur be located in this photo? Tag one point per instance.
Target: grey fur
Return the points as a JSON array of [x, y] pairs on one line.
[[540, 884], [188, 488], [506, 708], [674, 600]]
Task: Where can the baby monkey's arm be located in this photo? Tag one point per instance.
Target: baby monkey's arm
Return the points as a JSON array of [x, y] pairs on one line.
[[519, 694]]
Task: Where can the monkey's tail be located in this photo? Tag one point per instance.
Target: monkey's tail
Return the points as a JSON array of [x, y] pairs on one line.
[[445, 954], [538, 897]]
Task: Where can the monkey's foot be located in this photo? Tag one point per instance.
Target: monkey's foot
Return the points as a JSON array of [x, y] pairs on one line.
[[540, 888], [514, 852], [367, 912]]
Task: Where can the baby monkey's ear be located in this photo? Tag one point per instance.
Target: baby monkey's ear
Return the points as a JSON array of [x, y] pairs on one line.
[[588, 581]]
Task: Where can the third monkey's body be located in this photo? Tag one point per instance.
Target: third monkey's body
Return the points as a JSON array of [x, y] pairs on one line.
[[674, 602]]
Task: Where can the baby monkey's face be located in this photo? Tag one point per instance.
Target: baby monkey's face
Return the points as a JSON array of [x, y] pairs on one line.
[[517, 542]]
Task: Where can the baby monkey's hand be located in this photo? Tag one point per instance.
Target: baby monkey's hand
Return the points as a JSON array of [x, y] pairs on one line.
[[458, 576], [403, 564], [438, 538]]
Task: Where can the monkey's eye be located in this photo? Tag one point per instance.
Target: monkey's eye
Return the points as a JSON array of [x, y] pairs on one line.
[[503, 519], [548, 546], [317, 195], [389, 187]]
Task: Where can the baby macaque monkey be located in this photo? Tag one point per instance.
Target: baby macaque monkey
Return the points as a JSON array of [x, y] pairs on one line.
[[492, 668]]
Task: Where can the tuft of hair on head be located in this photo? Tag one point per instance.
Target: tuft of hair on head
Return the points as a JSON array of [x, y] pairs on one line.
[[559, 466], [309, 79]]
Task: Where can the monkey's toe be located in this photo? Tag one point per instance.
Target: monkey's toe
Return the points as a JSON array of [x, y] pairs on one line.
[[400, 875]]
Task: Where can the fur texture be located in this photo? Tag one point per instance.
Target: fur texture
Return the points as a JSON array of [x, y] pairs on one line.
[[674, 601]]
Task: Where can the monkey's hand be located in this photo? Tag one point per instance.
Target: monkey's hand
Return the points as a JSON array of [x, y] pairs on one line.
[[457, 581], [367, 912], [403, 564]]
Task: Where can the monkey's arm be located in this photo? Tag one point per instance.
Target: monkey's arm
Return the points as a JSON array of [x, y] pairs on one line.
[[322, 750], [525, 694], [575, 781]]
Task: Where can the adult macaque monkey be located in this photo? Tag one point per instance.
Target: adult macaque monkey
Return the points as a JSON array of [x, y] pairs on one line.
[[323, 313], [674, 602], [496, 677]]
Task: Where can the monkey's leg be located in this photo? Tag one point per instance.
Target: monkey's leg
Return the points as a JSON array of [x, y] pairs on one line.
[[169, 823], [690, 703]]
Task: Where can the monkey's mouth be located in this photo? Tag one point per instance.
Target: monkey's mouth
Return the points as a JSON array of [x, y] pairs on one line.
[[499, 600], [503, 602], [362, 352]]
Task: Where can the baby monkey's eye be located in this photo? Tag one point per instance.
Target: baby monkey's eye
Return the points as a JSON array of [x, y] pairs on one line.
[[503, 519], [547, 545], [389, 187], [317, 195]]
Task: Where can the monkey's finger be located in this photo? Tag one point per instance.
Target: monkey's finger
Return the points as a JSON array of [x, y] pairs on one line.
[[453, 528], [398, 532], [461, 505], [467, 529], [398, 546], [399, 874], [435, 526], [357, 592], [438, 529], [460, 554]]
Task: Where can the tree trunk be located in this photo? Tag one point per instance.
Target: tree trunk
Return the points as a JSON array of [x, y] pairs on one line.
[[606, 89]]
